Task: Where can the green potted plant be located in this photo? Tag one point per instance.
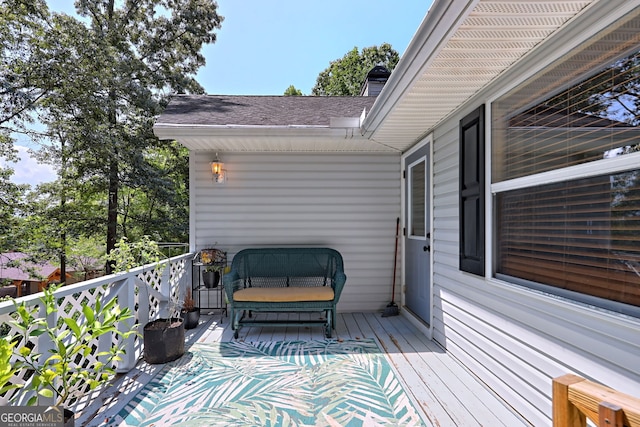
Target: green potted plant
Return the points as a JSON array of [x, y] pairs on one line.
[[214, 261], [211, 276], [190, 312], [57, 375], [163, 338]]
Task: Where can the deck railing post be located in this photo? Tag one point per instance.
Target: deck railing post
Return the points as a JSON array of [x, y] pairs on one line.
[[144, 301], [45, 344], [610, 415], [126, 298], [164, 305], [565, 414], [576, 399], [188, 276], [181, 271]]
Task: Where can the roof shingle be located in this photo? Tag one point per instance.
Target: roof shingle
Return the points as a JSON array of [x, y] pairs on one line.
[[221, 110]]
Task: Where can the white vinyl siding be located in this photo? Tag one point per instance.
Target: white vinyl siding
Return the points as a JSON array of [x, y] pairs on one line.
[[515, 339], [349, 202]]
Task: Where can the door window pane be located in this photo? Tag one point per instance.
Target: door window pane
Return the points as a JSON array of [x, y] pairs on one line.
[[418, 214]]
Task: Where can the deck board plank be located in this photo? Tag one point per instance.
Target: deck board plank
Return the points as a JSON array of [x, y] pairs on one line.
[[432, 391], [353, 330], [432, 409], [481, 396], [450, 386], [445, 391], [341, 331], [462, 387]]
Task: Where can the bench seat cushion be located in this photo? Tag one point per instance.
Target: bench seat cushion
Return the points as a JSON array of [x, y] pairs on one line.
[[285, 294]]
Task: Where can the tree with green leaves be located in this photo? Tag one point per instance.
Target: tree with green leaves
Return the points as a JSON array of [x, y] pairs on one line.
[[22, 66], [292, 91], [51, 230], [121, 62], [156, 202], [345, 76]]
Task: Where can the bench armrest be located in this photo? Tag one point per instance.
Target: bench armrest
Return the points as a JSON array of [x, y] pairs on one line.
[[231, 282], [230, 277], [338, 283]]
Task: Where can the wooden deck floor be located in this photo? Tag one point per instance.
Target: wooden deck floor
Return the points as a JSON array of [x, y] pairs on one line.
[[446, 392]]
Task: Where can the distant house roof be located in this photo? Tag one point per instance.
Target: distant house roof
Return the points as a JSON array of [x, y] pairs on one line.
[[16, 273], [225, 110]]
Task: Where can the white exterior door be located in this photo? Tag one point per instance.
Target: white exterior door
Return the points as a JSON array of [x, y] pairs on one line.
[[417, 235]]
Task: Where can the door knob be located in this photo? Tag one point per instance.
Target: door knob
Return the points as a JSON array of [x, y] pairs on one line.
[[427, 248]]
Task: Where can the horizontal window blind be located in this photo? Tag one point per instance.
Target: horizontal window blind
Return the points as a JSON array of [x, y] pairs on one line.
[[590, 121], [581, 235]]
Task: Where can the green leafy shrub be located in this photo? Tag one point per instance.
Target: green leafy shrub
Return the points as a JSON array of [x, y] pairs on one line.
[[57, 375], [128, 255]]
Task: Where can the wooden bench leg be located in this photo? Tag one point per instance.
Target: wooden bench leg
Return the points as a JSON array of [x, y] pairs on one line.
[[235, 322], [333, 316]]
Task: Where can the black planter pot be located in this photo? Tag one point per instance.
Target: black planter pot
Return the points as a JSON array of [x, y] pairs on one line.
[[163, 340], [191, 318], [69, 418], [211, 279]]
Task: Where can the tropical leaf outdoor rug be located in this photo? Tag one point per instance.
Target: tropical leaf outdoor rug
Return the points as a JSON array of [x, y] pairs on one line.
[[296, 383]]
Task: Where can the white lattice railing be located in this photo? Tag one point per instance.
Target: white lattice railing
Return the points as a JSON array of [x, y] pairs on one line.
[[151, 291]]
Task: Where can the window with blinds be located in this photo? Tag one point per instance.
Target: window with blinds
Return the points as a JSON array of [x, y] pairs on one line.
[[580, 235], [576, 231]]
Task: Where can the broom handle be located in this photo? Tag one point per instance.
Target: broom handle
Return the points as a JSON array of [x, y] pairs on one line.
[[395, 261]]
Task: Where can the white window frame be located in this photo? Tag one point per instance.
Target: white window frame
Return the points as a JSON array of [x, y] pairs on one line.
[[597, 19], [410, 235]]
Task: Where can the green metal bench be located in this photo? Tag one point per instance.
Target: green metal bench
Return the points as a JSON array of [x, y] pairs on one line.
[[284, 280]]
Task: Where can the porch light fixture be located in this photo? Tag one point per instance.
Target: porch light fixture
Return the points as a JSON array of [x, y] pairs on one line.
[[218, 171]]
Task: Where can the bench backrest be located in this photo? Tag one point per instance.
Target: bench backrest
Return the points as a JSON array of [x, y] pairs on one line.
[[287, 266]]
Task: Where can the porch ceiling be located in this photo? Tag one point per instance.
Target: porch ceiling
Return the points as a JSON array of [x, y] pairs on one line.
[[459, 49]]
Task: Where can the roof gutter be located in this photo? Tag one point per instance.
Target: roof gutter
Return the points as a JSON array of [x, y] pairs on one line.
[[160, 126], [441, 21], [178, 131]]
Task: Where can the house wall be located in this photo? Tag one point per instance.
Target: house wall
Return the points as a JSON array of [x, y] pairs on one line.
[[349, 202], [514, 338], [517, 339]]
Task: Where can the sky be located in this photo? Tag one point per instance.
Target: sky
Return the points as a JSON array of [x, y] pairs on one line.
[[263, 47]]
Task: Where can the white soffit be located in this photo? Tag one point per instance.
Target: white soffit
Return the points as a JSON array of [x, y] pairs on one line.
[[268, 139], [491, 38]]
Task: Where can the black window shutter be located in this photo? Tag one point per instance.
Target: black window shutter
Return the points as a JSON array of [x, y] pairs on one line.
[[472, 233]]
